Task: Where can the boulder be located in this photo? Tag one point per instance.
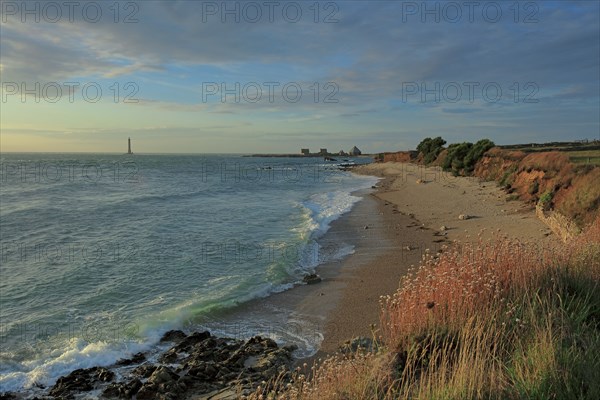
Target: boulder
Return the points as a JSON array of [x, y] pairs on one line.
[[163, 375], [122, 390], [173, 336], [80, 380], [137, 358], [311, 279], [192, 340]]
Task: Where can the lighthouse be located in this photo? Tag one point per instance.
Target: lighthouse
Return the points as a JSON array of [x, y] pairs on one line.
[[129, 146]]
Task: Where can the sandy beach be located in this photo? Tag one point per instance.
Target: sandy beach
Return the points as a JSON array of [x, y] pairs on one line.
[[393, 227]]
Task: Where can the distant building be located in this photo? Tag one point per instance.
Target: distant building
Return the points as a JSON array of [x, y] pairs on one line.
[[323, 152], [342, 153], [305, 151], [355, 151]]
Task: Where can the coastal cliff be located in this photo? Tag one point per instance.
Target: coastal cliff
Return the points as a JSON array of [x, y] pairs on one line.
[[547, 179], [566, 194]]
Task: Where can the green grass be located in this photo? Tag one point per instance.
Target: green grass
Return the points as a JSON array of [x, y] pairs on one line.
[[585, 157]]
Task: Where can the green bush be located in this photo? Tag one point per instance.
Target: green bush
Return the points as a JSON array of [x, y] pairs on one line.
[[431, 148], [462, 157], [455, 159], [476, 152]]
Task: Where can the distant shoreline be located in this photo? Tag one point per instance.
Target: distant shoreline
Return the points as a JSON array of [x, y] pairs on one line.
[[294, 155]]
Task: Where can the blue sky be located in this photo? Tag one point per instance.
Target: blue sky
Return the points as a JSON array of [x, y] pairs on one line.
[[387, 74]]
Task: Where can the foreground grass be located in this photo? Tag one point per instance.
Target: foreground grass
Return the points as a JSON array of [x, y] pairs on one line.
[[500, 320]]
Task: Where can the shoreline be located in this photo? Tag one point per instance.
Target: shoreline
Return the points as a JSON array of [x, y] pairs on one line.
[[391, 228]]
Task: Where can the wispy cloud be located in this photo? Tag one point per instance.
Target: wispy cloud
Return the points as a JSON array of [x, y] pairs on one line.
[[372, 54]]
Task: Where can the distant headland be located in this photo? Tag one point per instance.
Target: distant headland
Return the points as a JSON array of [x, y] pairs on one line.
[[353, 152]]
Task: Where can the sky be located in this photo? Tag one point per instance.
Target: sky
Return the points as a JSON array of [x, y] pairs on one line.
[[276, 76]]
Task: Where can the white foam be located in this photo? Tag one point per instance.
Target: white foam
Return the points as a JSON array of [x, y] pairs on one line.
[[78, 354], [320, 210]]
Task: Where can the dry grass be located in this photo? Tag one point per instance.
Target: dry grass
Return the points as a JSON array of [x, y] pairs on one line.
[[582, 201], [574, 187], [500, 320]]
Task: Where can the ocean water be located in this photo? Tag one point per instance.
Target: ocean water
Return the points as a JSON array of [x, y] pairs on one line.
[[102, 254]]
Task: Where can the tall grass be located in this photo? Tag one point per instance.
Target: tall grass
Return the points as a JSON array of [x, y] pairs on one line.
[[498, 320]]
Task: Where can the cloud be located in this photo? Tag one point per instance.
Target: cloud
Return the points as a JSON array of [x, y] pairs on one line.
[[369, 54]]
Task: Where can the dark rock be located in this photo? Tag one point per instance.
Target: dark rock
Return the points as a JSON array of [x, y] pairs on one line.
[[188, 380], [147, 392], [132, 388], [137, 358], [270, 343], [192, 340], [311, 279], [112, 391], [290, 347], [162, 384], [173, 336], [80, 380], [168, 357], [202, 364], [210, 370], [122, 390], [144, 371], [162, 375]]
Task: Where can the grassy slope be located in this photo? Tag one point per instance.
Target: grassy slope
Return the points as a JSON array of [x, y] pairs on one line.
[[573, 189]]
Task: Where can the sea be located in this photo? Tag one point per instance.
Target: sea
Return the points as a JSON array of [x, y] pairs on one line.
[[101, 254]]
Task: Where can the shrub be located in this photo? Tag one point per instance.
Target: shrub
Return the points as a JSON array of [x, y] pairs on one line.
[[546, 199], [431, 148], [476, 152], [462, 157], [455, 159]]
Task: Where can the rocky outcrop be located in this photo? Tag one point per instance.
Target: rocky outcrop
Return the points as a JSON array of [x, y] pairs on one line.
[[80, 380], [198, 366]]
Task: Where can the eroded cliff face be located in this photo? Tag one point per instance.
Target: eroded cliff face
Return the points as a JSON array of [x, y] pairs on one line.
[[399, 156], [564, 191]]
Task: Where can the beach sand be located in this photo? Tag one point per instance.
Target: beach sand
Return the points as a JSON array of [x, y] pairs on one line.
[[404, 216]]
